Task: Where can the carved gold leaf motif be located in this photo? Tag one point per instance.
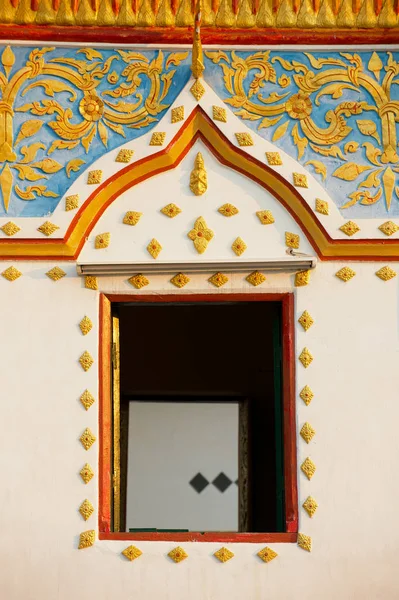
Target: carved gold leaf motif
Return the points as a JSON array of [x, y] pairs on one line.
[[94, 177], [177, 114], [300, 180], [56, 273], [302, 278], [139, 281], [102, 240], [306, 320], [322, 207], [87, 439], [198, 176], [310, 505], [292, 240], [180, 280], [132, 217], [345, 274], [228, 210], [386, 273], [6, 180], [87, 399], [307, 395], [132, 552], [267, 554], [124, 155], [72, 202], [350, 228], [197, 90], [10, 228], [91, 282], [87, 473], [86, 509], [201, 235], [85, 325], [305, 542], [308, 467], [224, 554], [265, 217], [219, 114], [154, 248], [157, 138], [11, 274], [178, 554], [389, 228], [307, 432], [171, 210], [273, 159], [305, 357], [47, 228], [238, 246], [86, 361], [244, 139], [218, 279], [255, 278], [87, 539]]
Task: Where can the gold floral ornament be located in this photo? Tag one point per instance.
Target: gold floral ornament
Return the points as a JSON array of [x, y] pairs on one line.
[[11, 274], [307, 432], [87, 539], [132, 217], [72, 202], [197, 90], [171, 210], [87, 473], [56, 273], [124, 155], [305, 358], [87, 439], [389, 228], [178, 554], [154, 248], [223, 554], [91, 107], [292, 240], [345, 274], [218, 279], [132, 552], [47, 228], [85, 325], [238, 246], [10, 228], [310, 505], [321, 206], [198, 176], [305, 542], [244, 139], [94, 177], [219, 114], [158, 138], [86, 360], [350, 228], [86, 509], [300, 180], [302, 278], [265, 217], [138, 281], [91, 282], [102, 240], [273, 159], [308, 468], [307, 395], [305, 320], [177, 114], [255, 278], [87, 399], [386, 273], [267, 554], [180, 280], [299, 106], [228, 210], [200, 235]]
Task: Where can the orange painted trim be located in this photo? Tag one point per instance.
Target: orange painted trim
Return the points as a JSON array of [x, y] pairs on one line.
[[105, 415], [198, 126]]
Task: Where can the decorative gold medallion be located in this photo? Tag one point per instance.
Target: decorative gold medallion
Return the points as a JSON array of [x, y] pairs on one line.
[[87, 399], [102, 241], [305, 320], [219, 114], [91, 282], [86, 360], [305, 542], [86, 509], [154, 248], [386, 273], [10, 228], [85, 325], [265, 217], [302, 278], [178, 554], [198, 176], [300, 180], [255, 278], [345, 274], [177, 114], [309, 468], [55, 274], [87, 539], [72, 202], [197, 90], [310, 505], [11, 274], [267, 554], [238, 246], [244, 139], [87, 473], [138, 281], [200, 235], [87, 439], [307, 395], [350, 228], [132, 552], [223, 554], [273, 159], [322, 207], [94, 177], [124, 155], [307, 432], [218, 279], [180, 280], [132, 217], [47, 228], [292, 240], [158, 138], [305, 357], [228, 210], [389, 228], [171, 210]]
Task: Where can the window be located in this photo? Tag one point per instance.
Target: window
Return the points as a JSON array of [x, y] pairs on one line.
[[200, 402]]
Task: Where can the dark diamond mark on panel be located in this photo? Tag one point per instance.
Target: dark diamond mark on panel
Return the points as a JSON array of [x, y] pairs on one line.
[[222, 482], [199, 483]]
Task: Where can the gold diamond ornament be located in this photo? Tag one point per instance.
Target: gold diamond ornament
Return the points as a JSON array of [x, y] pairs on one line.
[[72, 202], [218, 279], [273, 159], [177, 554], [219, 114], [223, 554], [307, 432], [171, 210], [201, 235], [138, 281], [11, 274], [86, 509], [386, 273], [177, 114], [87, 399], [132, 217], [87, 439], [10, 228], [255, 278], [94, 177], [197, 90], [86, 361], [132, 552], [265, 217], [154, 248], [308, 468], [244, 139], [102, 240], [345, 274], [305, 320], [56, 273], [47, 228], [302, 278], [292, 240], [180, 280], [305, 357], [124, 155], [350, 228], [158, 138], [91, 282], [310, 505], [87, 539], [85, 325], [389, 228], [300, 180], [238, 246], [322, 207], [267, 554], [228, 210], [305, 542], [87, 473], [307, 395]]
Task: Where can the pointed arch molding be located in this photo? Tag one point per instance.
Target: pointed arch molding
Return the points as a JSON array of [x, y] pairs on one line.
[[197, 126]]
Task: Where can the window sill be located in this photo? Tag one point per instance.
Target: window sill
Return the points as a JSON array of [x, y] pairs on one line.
[[211, 536]]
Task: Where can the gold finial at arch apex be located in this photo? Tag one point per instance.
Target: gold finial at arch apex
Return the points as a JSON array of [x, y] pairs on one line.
[[197, 64]]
